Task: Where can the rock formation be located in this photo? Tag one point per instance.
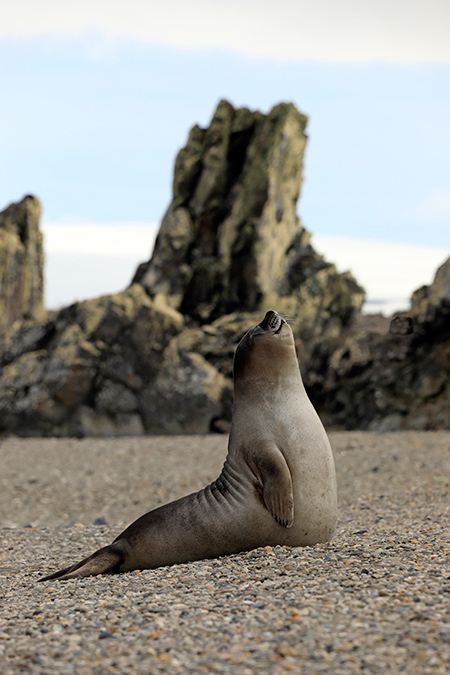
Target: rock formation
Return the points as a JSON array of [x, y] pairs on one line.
[[21, 264], [157, 358], [381, 380], [87, 371], [231, 240], [223, 241]]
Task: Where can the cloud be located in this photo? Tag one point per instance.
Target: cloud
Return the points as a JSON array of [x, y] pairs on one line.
[[389, 272], [87, 260], [399, 31], [112, 240]]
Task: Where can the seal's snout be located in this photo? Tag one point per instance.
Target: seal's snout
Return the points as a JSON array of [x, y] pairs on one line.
[[272, 321]]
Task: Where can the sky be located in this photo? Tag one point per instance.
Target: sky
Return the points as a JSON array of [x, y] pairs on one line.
[[98, 97]]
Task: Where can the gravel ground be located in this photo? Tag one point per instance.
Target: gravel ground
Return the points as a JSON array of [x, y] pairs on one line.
[[374, 600]]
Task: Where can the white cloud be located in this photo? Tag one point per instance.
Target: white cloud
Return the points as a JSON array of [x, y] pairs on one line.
[[87, 260], [71, 277], [112, 240], [389, 272], [398, 31]]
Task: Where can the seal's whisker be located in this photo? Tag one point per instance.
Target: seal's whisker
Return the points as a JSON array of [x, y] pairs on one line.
[[291, 318]]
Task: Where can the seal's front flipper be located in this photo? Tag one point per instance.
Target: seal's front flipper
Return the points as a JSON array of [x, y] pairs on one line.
[[276, 485], [106, 560]]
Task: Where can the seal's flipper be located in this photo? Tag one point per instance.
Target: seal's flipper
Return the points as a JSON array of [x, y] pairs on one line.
[[106, 560], [277, 486]]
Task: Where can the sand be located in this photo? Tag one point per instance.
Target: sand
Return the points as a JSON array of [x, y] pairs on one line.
[[375, 600]]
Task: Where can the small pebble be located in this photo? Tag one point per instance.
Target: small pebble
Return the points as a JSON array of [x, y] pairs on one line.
[[374, 600]]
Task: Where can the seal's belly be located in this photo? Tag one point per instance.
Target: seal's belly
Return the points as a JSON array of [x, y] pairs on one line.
[[210, 524]]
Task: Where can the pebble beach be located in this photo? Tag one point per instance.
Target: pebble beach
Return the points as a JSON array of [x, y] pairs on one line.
[[376, 599]]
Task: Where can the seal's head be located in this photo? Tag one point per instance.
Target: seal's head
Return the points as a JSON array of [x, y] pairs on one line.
[[273, 324], [267, 349]]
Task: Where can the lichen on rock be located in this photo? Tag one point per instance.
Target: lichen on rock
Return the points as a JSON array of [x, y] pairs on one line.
[[231, 240], [21, 264]]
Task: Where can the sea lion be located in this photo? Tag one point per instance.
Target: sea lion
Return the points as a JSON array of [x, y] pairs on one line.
[[277, 485]]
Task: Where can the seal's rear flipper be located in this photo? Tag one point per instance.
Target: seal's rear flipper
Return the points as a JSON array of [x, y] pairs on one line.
[[106, 560]]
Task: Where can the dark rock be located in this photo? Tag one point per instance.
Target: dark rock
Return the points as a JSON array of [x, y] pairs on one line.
[[391, 380], [401, 325], [186, 396], [100, 521], [83, 372]]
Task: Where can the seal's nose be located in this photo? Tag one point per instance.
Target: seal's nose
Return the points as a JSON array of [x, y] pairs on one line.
[[272, 320]]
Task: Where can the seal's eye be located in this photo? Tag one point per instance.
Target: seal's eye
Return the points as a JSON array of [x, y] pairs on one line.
[[257, 330]]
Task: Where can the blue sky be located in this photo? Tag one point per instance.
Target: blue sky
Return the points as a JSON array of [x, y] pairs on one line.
[[98, 98]]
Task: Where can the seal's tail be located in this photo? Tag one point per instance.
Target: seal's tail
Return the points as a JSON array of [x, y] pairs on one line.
[[107, 560]]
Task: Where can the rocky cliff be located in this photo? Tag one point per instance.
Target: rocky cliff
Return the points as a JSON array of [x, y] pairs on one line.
[[21, 264], [157, 358], [383, 379], [224, 242], [231, 240]]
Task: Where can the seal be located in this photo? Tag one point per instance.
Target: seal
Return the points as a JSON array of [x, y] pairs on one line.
[[277, 485]]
